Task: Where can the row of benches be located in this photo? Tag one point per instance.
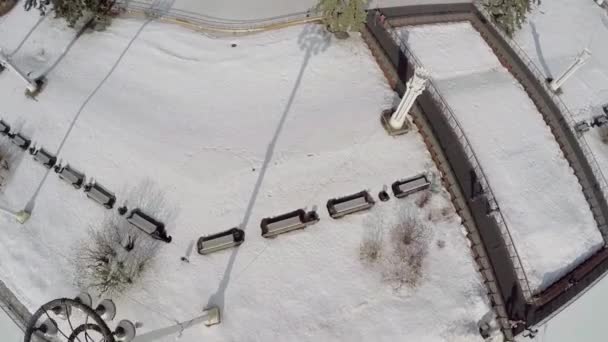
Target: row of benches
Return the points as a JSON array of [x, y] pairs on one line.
[[597, 121], [299, 219], [271, 226], [92, 189]]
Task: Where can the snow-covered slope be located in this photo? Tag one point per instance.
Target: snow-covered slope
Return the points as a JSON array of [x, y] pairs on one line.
[[550, 220], [199, 117]]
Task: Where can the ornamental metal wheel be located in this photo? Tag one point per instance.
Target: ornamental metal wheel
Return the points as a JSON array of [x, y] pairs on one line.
[[74, 320]]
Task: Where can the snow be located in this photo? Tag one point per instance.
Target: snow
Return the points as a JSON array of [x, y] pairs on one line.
[[200, 118], [9, 331], [552, 226]]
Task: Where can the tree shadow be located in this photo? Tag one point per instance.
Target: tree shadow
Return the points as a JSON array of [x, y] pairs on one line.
[[67, 49], [313, 40], [27, 36], [539, 51]]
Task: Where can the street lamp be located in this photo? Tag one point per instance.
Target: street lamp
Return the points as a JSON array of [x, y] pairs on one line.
[[33, 86], [75, 320], [58, 320]]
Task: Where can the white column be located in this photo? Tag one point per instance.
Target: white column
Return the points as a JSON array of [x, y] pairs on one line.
[[415, 86], [6, 62], [578, 62]]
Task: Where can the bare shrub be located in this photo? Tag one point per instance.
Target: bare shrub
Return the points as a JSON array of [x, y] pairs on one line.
[[370, 249], [423, 199], [410, 239], [116, 253], [446, 212], [441, 244], [604, 134], [8, 158]]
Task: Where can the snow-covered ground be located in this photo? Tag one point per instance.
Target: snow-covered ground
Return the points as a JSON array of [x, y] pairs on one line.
[[539, 196], [199, 118], [8, 330]]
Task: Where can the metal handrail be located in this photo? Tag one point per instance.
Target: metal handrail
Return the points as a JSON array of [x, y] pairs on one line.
[[472, 157], [566, 113]]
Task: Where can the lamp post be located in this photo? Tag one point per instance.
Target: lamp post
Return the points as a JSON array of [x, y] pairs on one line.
[[397, 124], [32, 86]]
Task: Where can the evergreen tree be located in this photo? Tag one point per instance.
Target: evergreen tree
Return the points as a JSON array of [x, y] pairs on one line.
[[355, 14], [509, 15], [72, 10], [342, 15]]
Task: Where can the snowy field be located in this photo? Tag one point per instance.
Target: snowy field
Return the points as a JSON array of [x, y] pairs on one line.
[[551, 223], [199, 118]]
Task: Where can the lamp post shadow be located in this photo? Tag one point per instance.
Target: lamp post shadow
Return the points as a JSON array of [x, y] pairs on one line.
[[313, 40], [539, 51]]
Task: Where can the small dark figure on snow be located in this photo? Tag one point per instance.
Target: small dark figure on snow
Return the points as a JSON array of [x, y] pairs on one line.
[[130, 244]]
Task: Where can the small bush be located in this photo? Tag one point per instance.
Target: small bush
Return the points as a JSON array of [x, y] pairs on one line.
[[8, 156], [342, 15], [117, 254], [446, 212], [370, 249], [410, 239], [604, 134], [441, 244]]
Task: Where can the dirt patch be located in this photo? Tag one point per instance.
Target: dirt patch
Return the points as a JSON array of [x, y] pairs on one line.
[[6, 5]]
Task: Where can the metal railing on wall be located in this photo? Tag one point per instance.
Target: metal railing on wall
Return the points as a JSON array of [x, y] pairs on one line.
[[451, 119], [566, 113]]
